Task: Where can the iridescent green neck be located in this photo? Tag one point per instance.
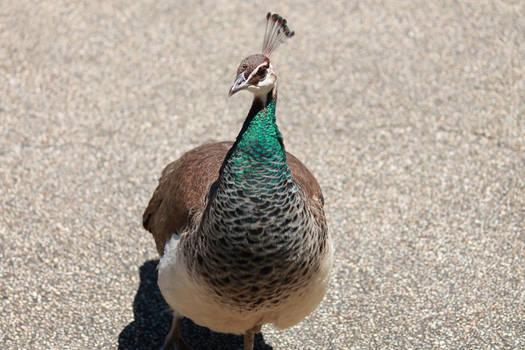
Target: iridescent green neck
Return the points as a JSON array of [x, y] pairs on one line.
[[258, 153], [261, 138]]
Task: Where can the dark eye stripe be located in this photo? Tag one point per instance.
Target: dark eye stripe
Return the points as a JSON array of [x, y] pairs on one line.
[[261, 72]]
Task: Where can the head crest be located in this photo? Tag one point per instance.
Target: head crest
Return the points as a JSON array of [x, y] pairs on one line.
[[276, 33]]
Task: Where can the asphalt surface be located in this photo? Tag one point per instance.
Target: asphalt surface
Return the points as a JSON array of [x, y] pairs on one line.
[[410, 113]]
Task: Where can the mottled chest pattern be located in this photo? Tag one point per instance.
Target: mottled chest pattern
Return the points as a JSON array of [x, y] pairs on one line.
[[257, 250], [258, 242]]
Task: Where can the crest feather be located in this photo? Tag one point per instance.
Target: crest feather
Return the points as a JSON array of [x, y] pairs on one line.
[[277, 32]]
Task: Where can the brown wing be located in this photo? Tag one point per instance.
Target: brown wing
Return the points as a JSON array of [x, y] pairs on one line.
[[182, 190], [185, 183]]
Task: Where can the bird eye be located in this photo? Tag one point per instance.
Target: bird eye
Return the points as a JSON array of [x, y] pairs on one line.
[[261, 72]]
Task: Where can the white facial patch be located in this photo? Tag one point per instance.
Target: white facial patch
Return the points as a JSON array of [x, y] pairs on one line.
[[264, 85]]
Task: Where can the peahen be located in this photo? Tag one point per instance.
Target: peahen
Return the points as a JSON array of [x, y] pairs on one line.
[[240, 226]]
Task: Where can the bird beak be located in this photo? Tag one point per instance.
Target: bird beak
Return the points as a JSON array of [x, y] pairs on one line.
[[239, 84]]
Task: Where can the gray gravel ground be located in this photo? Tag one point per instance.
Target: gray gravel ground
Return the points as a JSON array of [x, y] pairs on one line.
[[410, 113]]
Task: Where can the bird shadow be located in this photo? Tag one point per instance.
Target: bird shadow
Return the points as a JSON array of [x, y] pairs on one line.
[[153, 319]]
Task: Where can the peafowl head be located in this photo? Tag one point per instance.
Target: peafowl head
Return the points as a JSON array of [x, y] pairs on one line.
[[255, 72]]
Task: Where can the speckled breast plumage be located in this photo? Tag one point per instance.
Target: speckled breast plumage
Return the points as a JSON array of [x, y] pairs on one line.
[[258, 242]]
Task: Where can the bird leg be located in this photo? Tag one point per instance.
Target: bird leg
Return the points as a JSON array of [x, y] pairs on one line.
[[174, 337], [249, 336]]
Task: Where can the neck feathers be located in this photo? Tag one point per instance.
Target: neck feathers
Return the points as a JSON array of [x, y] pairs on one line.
[[259, 136], [257, 159], [263, 107]]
